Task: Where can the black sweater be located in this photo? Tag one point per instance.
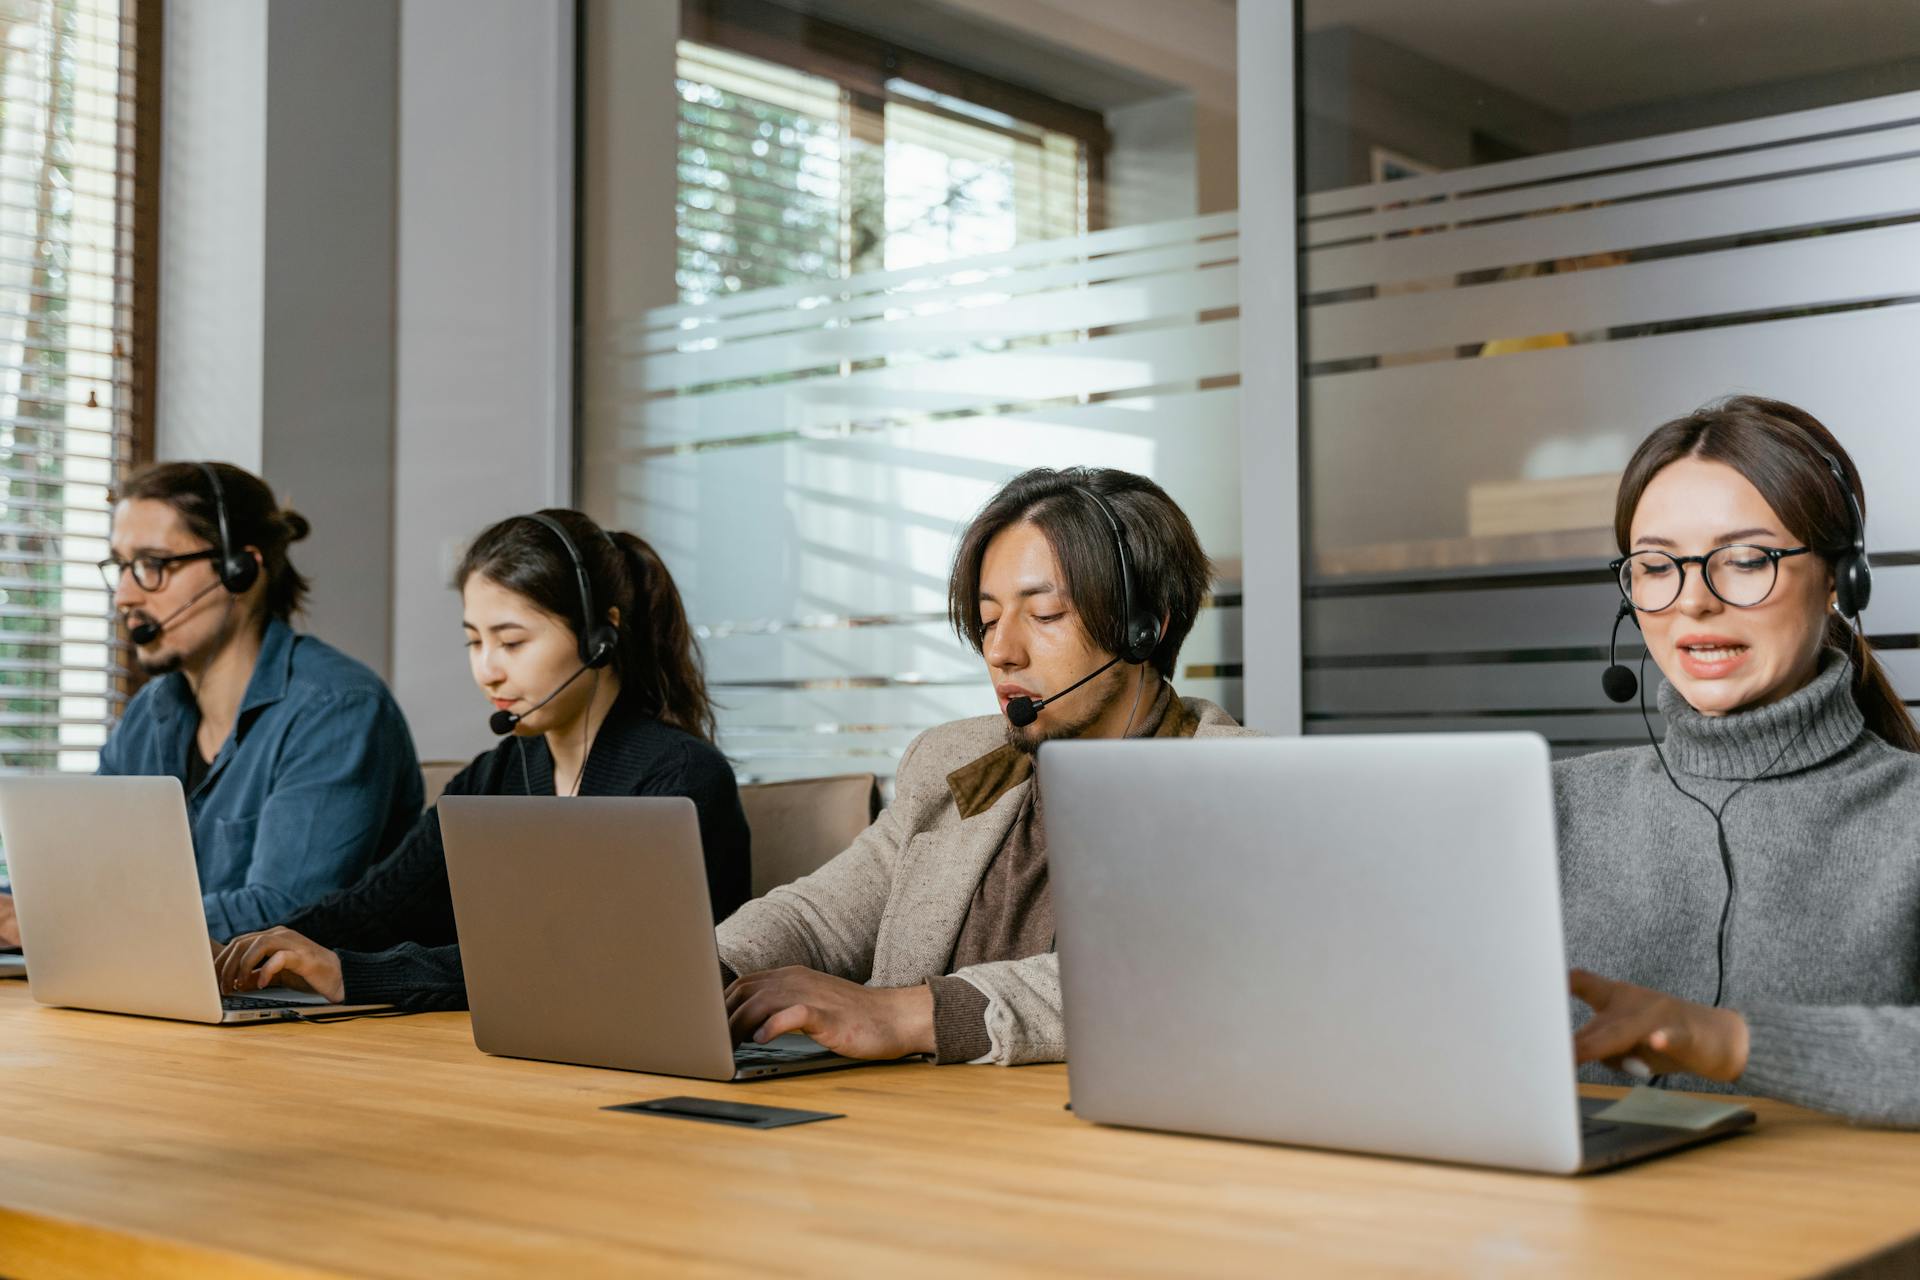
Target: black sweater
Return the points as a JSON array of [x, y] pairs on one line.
[[394, 928]]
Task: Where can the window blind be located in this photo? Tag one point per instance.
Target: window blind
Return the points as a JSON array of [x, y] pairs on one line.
[[760, 198], [958, 187], [787, 176], [67, 90]]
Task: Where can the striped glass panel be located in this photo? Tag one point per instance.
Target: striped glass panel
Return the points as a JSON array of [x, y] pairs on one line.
[[805, 460], [1485, 347]]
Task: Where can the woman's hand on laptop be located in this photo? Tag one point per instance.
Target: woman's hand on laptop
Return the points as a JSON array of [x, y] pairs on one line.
[[852, 1020], [1664, 1032], [279, 957], [9, 924]]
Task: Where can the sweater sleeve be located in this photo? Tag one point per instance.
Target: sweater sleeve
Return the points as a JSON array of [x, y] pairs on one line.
[[959, 1021], [1024, 1017], [830, 920], [1856, 1061], [411, 977]]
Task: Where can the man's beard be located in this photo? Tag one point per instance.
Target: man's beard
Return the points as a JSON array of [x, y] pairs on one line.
[[169, 661], [163, 665], [1093, 701]]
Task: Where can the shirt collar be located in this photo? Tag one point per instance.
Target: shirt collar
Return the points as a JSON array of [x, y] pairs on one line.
[[272, 672], [979, 785]]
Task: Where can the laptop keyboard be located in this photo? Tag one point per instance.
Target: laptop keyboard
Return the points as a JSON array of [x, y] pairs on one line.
[[258, 1002], [761, 1054]]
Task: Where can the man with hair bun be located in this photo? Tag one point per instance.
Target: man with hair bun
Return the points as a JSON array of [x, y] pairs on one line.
[[298, 768]]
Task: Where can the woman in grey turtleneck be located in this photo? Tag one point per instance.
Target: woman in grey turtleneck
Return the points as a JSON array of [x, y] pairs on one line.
[[1751, 924]]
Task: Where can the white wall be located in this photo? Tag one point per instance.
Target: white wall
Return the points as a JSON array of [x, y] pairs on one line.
[[484, 318], [213, 193]]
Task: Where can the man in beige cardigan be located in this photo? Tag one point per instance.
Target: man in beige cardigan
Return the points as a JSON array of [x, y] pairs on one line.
[[933, 932]]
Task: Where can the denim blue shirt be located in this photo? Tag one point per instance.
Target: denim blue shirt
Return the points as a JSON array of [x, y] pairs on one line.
[[317, 781]]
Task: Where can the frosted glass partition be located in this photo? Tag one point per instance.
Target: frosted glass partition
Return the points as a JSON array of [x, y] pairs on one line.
[[1485, 347], [804, 457]]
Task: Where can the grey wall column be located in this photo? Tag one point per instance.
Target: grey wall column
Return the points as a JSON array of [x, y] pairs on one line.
[[484, 319], [1270, 369], [628, 224], [276, 303]]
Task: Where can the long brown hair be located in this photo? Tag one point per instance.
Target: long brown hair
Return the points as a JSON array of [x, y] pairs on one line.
[[1779, 449], [255, 519], [657, 658]]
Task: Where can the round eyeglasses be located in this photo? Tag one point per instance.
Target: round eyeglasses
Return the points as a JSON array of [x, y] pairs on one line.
[[1739, 575], [149, 572]]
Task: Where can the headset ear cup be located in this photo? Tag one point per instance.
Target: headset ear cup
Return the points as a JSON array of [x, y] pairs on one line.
[[597, 649], [1852, 584], [238, 573], [1143, 637]]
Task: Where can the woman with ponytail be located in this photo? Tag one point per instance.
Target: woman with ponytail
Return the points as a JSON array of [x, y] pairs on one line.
[[1743, 897], [639, 724]]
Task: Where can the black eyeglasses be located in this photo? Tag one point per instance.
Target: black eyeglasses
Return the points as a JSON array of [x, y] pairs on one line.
[[1740, 575], [149, 572]]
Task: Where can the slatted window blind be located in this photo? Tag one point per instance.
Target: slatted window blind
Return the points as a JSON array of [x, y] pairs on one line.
[[958, 187], [66, 427], [805, 457], [760, 200], [786, 176]]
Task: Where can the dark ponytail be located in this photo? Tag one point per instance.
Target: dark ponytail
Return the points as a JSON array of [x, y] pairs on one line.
[[1778, 448], [657, 658], [658, 653]]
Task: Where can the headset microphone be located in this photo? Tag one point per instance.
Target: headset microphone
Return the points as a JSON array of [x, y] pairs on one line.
[[1618, 681], [502, 722], [145, 633], [1023, 711]]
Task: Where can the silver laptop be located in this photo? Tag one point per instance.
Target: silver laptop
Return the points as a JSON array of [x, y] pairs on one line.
[[109, 906], [1343, 942], [587, 937]]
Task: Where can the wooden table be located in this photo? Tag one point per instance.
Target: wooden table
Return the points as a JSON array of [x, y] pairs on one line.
[[393, 1147]]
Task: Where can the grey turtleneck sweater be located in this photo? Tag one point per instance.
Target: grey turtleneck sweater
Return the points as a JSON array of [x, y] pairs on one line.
[[1823, 941]]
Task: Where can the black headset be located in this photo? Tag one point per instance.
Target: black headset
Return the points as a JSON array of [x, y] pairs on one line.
[[237, 570], [1852, 572], [1139, 628], [1852, 586], [598, 638]]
